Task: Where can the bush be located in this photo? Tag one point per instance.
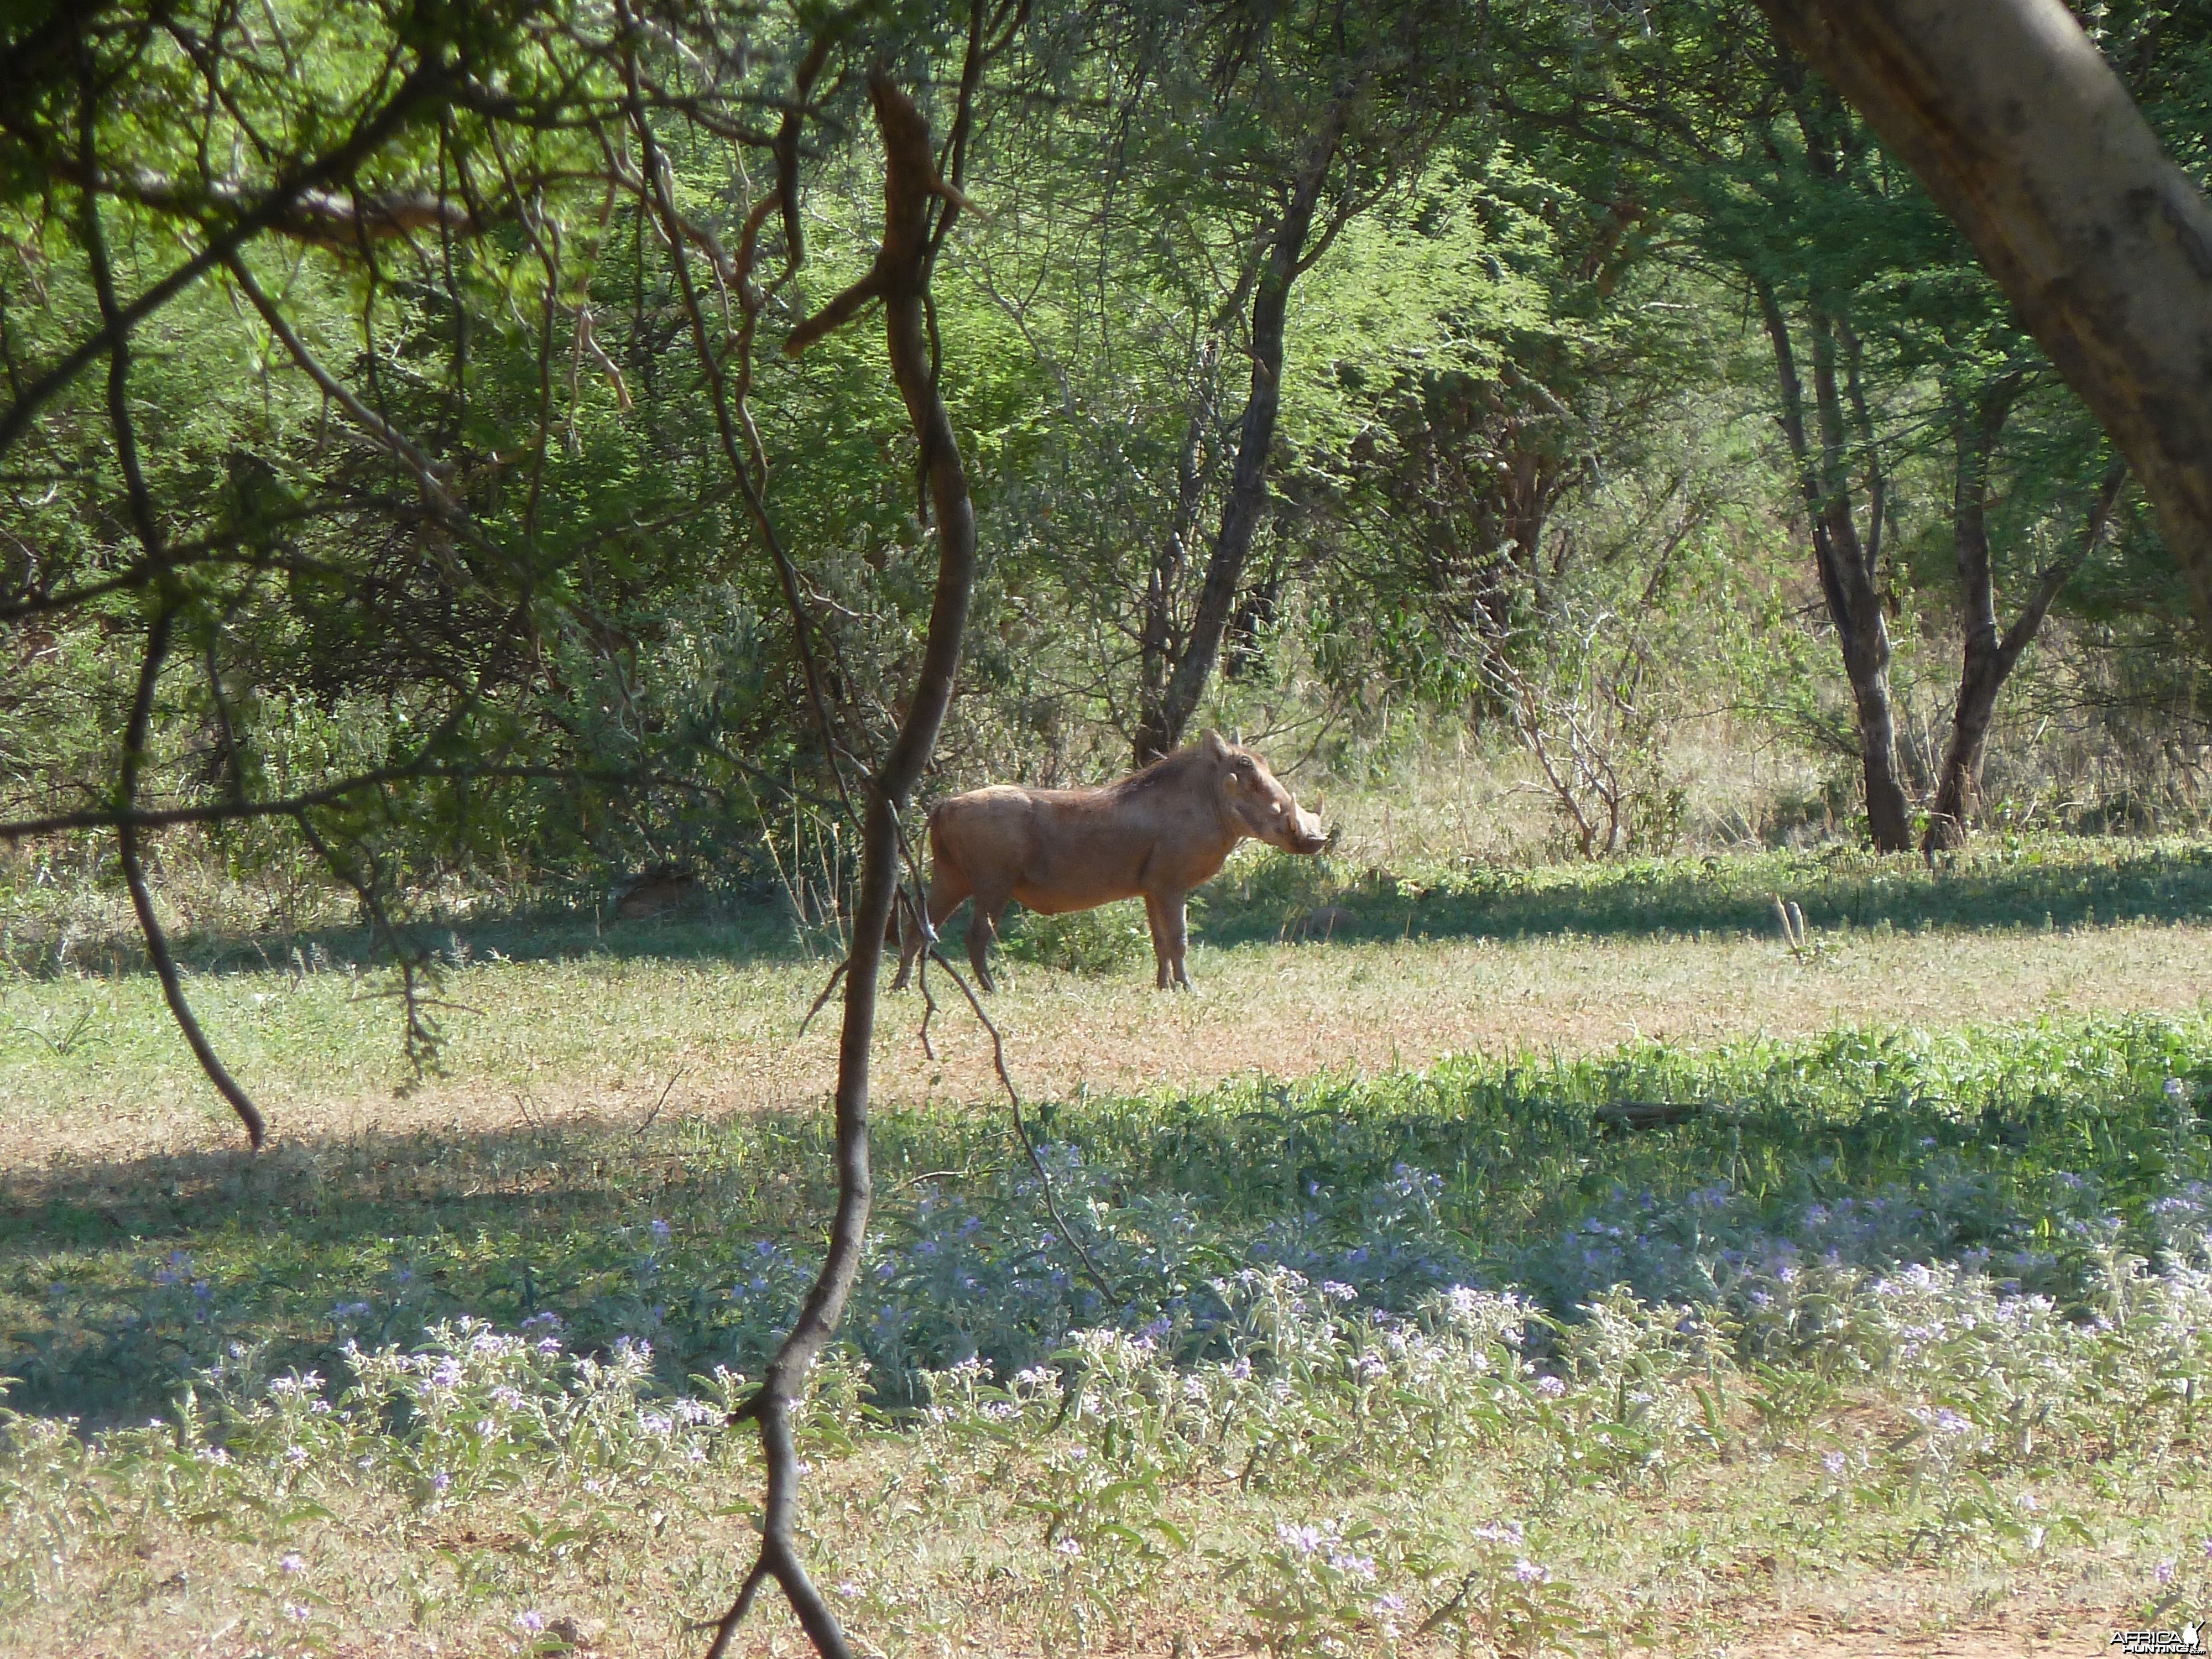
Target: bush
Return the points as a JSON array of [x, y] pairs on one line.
[[1110, 939]]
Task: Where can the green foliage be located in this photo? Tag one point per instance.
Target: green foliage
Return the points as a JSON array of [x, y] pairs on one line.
[[1110, 940]]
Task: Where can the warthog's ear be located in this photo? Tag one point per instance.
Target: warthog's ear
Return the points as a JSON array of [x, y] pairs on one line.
[[1213, 745]]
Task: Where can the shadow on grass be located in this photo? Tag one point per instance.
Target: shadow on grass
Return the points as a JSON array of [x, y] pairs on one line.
[[736, 931], [2057, 882], [118, 1279]]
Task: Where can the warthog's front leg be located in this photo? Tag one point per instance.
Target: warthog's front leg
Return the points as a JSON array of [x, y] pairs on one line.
[[948, 889], [1156, 919], [1176, 933]]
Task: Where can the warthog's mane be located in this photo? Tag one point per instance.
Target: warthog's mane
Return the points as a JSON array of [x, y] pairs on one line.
[[1166, 770]]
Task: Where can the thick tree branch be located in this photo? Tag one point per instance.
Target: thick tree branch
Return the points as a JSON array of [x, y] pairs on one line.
[[1162, 726], [233, 812], [323, 218], [2019, 130]]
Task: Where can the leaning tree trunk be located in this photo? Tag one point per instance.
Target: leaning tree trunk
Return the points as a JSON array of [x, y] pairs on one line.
[[2021, 131], [1161, 722], [899, 280]]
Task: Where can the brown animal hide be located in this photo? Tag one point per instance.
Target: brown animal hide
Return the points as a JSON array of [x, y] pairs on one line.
[[1157, 834]]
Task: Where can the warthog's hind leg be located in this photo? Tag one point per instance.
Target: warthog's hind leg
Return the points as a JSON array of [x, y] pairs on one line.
[[982, 928], [948, 890]]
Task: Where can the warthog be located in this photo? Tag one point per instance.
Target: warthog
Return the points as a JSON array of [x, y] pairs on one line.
[[1157, 834]]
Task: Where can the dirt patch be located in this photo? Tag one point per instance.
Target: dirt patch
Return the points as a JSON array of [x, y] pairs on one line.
[[2022, 1631]]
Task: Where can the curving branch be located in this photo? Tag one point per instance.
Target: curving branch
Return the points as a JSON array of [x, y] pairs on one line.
[[899, 279], [432, 474], [733, 419], [142, 896], [137, 730]]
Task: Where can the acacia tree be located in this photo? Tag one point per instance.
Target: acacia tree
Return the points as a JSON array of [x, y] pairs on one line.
[[1314, 114], [2103, 244], [1763, 180], [921, 198], [169, 165], [464, 213]]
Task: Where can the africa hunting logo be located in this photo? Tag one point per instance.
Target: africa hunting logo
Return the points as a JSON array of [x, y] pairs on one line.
[[2189, 1638]]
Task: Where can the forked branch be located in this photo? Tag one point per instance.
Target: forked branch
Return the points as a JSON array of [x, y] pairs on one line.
[[899, 279]]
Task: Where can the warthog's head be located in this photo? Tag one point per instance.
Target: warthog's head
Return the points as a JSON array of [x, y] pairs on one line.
[[1256, 801]]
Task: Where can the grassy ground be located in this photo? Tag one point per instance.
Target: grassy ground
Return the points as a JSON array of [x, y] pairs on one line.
[[1302, 968], [1908, 1352]]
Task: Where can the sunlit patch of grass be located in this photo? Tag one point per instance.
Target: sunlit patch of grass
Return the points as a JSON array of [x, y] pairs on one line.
[[2000, 883], [699, 1016]]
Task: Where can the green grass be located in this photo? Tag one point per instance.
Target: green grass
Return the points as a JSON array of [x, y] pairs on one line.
[[99, 1322], [1898, 1318]]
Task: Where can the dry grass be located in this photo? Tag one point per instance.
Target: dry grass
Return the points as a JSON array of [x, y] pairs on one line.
[[1708, 1561], [603, 1036]]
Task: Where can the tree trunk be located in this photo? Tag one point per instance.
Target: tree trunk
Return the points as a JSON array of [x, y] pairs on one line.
[[1844, 562], [1160, 727], [1990, 658], [2021, 131], [1958, 786], [1158, 644], [899, 279]]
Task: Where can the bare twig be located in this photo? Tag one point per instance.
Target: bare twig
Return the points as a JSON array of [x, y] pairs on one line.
[[142, 898], [1435, 1621], [431, 474], [673, 1079], [137, 731], [1022, 1128], [835, 974]]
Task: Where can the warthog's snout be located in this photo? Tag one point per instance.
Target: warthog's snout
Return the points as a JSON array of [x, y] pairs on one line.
[[1307, 835]]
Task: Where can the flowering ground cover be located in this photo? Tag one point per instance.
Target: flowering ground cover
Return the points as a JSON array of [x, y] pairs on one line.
[[1898, 1329]]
